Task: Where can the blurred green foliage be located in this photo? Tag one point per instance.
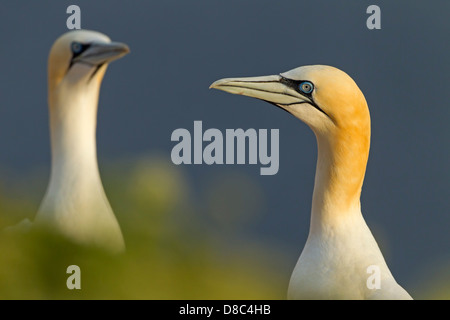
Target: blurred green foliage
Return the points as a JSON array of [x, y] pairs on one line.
[[172, 251], [182, 243]]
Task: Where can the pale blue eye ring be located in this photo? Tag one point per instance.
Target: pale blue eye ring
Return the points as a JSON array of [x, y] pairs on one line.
[[77, 47], [306, 87]]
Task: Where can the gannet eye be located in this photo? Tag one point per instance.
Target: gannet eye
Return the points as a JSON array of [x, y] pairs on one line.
[[306, 87], [77, 47]]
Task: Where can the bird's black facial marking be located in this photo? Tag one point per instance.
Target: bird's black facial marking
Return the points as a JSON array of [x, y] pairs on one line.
[[277, 105], [77, 49], [95, 71], [305, 88], [297, 85]]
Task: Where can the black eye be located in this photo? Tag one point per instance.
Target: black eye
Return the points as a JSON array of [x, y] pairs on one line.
[[306, 86], [77, 47]]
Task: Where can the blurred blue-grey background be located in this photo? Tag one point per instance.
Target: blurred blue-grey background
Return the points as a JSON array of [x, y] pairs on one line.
[[180, 47]]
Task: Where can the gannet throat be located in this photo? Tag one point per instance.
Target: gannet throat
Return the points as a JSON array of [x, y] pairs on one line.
[[75, 203], [340, 247]]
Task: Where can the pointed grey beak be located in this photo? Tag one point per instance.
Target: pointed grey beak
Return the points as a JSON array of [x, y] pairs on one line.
[[272, 89], [100, 53]]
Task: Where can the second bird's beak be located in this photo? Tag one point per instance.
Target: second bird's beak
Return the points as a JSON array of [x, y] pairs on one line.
[[100, 53], [273, 89]]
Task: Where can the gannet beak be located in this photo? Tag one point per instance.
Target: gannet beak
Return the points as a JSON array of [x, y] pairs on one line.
[[100, 53], [274, 89]]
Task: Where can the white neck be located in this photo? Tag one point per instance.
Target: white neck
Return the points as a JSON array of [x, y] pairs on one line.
[[75, 201], [73, 120]]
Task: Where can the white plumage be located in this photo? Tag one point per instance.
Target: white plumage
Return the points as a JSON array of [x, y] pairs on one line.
[[340, 248], [75, 203]]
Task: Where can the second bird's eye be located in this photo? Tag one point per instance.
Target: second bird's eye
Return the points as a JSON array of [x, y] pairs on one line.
[[306, 87], [77, 47]]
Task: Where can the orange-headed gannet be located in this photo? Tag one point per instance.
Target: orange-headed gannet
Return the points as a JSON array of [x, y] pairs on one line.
[[340, 252], [75, 203]]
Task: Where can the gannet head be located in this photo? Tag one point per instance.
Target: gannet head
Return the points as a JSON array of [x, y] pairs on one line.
[[81, 56], [323, 97], [333, 106]]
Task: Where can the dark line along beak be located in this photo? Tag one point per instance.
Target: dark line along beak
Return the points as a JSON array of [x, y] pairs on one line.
[[268, 88], [100, 53]]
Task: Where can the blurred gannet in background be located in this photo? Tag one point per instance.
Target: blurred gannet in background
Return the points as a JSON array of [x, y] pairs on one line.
[[75, 203], [340, 248]]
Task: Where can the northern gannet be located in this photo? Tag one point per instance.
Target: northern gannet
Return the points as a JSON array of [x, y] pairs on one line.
[[75, 203], [340, 248]]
